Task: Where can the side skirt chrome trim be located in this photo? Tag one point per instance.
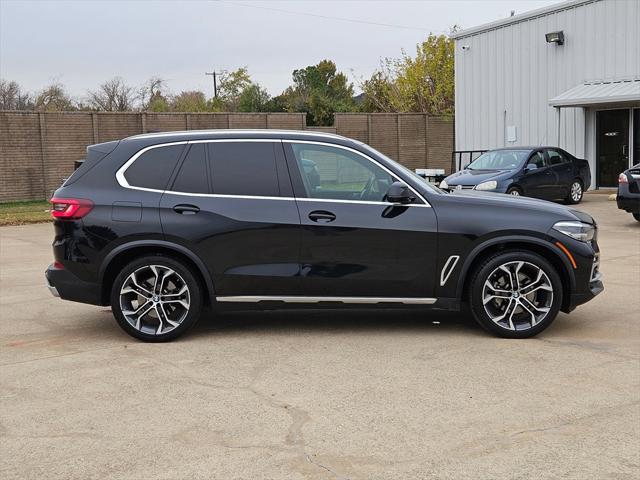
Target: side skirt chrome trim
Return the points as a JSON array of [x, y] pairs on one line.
[[300, 299], [450, 264]]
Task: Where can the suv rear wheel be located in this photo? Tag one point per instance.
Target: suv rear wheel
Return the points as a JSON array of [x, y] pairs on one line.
[[156, 298], [515, 294]]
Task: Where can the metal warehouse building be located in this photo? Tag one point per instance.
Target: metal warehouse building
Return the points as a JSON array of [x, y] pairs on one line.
[[567, 75]]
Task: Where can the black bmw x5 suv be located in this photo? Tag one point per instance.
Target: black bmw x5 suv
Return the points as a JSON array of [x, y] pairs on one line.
[[160, 226]]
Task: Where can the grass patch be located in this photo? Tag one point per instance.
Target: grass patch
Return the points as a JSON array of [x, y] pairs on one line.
[[21, 213]]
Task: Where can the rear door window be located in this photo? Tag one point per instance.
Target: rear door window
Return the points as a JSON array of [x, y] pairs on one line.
[[154, 167], [192, 177], [556, 158], [243, 168]]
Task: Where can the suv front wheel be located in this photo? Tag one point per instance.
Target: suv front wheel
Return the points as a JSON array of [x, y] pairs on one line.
[[515, 294], [156, 298]]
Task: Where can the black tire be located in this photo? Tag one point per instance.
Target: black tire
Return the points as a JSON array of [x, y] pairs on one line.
[[176, 312], [488, 269], [636, 216], [515, 191], [569, 199]]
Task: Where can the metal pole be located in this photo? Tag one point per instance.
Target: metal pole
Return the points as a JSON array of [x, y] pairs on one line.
[[215, 82], [558, 115]]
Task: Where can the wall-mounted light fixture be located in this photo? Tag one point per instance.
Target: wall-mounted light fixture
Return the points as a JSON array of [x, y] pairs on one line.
[[555, 37]]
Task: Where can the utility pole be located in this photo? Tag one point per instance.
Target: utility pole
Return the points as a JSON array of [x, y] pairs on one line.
[[215, 82]]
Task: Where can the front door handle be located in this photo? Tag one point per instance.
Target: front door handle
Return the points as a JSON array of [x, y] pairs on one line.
[[321, 216], [186, 209]]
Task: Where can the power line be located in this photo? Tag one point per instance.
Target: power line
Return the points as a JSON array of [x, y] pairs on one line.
[[329, 17]]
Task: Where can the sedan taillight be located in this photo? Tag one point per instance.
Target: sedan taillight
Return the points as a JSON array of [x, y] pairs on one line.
[[622, 178], [70, 208]]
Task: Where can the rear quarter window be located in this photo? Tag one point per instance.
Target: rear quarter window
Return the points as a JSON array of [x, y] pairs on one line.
[[154, 167]]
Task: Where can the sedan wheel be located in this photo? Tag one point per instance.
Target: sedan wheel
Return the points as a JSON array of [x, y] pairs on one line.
[[156, 299], [516, 294], [575, 193]]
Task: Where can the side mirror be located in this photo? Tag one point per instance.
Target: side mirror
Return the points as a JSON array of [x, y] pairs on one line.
[[399, 193], [530, 167]]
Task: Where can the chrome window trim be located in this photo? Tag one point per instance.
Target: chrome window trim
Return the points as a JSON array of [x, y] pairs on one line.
[[122, 181], [302, 299], [121, 171], [364, 155], [447, 269]]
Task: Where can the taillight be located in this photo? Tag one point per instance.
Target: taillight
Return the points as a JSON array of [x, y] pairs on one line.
[[622, 178], [70, 208]]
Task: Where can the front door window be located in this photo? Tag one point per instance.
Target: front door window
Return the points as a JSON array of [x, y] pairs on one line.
[[337, 174]]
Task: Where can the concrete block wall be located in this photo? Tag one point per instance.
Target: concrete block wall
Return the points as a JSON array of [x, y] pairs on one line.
[[38, 149]]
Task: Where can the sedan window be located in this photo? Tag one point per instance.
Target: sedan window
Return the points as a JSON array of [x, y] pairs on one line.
[[499, 160], [538, 159], [555, 157]]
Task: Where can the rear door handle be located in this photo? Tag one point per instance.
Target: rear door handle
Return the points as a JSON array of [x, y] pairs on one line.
[[186, 209], [321, 216]]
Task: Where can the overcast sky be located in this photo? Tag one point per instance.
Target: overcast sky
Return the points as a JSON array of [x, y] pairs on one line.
[[83, 43]]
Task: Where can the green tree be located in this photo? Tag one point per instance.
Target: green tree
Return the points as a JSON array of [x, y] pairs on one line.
[[153, 96], [254, 98], [320, 90], [230, 89], [424, 83]]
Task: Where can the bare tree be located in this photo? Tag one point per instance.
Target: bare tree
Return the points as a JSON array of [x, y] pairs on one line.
[[13, 98], [152, 93], [113, 96], [54, 98]]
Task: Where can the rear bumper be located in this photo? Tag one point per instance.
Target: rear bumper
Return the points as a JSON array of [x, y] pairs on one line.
[[64, 284], [629, 203]]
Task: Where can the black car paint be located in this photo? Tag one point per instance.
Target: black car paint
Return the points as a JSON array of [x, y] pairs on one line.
[[550, 183], [258, 246], [628, 195]]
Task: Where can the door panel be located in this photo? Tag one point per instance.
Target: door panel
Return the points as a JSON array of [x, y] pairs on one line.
[[612, 145], [250, 246], [367, 250], [539, 183], [352, 242], [562, 168]]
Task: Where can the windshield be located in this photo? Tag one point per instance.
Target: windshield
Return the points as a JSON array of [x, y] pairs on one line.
[[499, 160], [408, 171]]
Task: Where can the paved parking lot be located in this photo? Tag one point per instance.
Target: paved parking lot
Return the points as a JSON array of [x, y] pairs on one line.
[[319, 395]]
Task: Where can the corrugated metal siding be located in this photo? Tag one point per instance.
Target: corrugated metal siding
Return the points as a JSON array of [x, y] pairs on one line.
[[508, 74]]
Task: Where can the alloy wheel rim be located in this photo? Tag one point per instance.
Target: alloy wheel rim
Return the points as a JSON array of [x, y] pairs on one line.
[[515, 193], [155, 299], [576, 191], [517, 295]]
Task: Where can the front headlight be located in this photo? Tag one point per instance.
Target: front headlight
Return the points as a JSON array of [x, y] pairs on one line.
[[578, 230], [490, 185], [443, 185]]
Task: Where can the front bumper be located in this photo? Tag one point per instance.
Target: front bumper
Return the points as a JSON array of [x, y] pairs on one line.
[[64, 284], [594, 288]]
